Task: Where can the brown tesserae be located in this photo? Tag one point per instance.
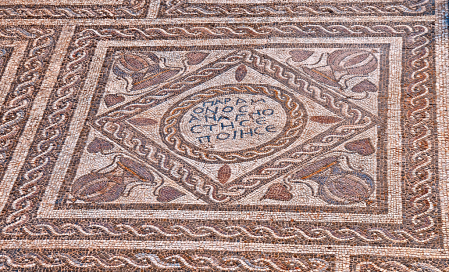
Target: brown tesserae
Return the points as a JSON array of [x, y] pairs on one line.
[[232, 135]]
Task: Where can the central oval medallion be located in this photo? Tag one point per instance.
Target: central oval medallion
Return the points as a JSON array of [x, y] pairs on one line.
[[233, 123]]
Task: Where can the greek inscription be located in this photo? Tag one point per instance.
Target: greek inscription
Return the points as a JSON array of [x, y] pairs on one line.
[[233, 122]]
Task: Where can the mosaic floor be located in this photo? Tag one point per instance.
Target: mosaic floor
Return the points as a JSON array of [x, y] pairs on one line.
[[239, 135]]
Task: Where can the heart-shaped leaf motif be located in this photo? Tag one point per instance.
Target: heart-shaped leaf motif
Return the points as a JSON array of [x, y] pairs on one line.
[[240, 73], [363, 147], [168, 193], [99, 145], [113, 99], [325, 119], [224, 173], [194, 58], [364, 86], [142, 121], [300, 55], [279, 192]]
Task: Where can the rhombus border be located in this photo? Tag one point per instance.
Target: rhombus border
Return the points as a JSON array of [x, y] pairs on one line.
[[110, 124], [421, 213]]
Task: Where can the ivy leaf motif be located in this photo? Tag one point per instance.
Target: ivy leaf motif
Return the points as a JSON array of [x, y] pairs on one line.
[[300, 55], [224, 173], [99, 145], [279, 192], [363, 147], [364, 86], [113, 99], [168, 193], [240, 73], [194, 58]]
